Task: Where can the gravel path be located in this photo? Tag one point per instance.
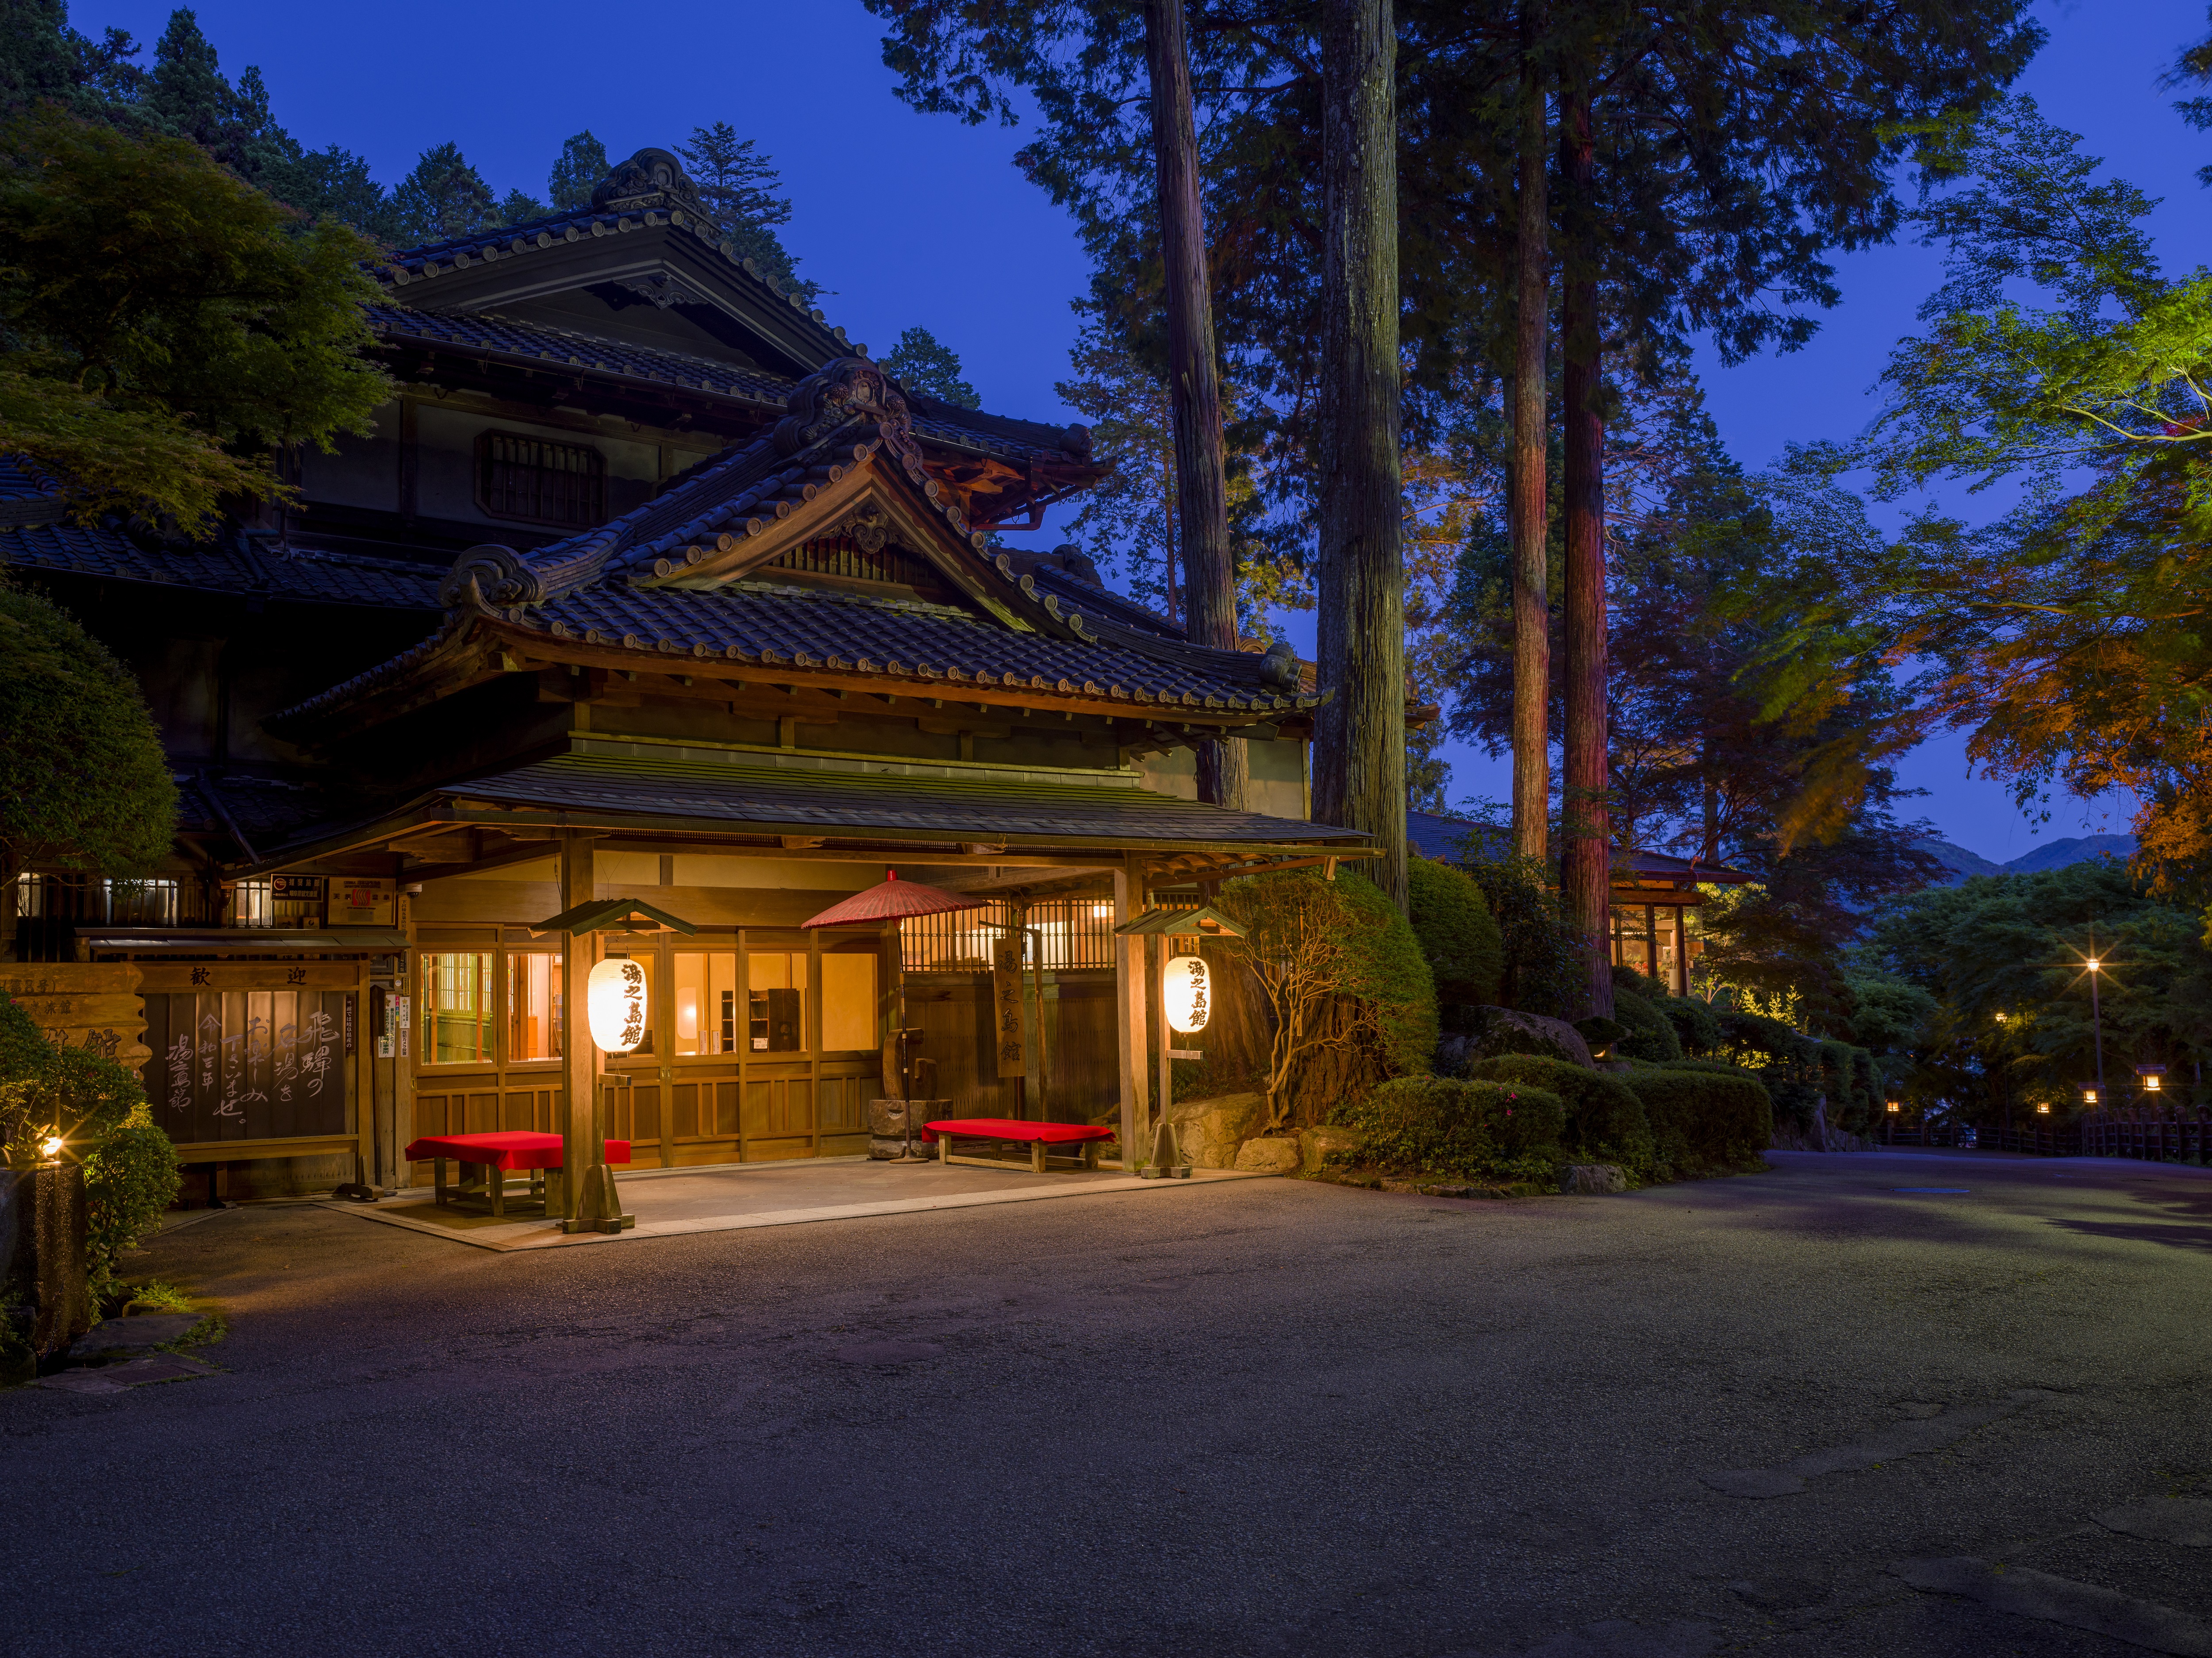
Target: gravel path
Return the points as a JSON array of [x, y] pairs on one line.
[[1799, 1413]]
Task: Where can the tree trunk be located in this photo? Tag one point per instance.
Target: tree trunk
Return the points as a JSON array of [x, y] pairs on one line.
[[1193, 384], [1527, 497], [1360, 738], [1586, 866]]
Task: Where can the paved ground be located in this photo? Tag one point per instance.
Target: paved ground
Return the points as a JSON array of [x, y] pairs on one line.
[[665, 1202], [1797, 1413]]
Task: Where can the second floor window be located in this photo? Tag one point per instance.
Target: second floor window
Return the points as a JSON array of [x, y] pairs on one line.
[[523, 478]]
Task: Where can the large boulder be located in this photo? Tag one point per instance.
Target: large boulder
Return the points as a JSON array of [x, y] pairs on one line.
[[1276, 1155], [1593, 1179], [1508, 1030], [1210, 1132], [1329, 1148]]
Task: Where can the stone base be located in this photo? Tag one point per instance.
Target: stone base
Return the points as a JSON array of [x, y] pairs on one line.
[[1324, 1148], [1209, 1131], [885, 1149]]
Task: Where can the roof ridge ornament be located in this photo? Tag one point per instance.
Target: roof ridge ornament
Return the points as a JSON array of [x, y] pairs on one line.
[[847, 388], [650, 179]]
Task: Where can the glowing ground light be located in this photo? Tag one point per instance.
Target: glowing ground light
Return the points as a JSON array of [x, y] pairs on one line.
[[51, 1146]]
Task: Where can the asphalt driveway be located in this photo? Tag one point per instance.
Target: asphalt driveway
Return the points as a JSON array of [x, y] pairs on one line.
[[1799, 1412]]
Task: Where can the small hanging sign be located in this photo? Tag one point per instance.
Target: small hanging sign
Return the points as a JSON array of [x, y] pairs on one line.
[[1006, 1004]]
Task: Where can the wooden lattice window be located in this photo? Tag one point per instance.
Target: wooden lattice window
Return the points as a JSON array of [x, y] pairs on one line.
[[540, 482], [853, 559]]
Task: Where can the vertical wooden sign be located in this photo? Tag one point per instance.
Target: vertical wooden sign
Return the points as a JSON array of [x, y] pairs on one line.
[[1006, 1005]]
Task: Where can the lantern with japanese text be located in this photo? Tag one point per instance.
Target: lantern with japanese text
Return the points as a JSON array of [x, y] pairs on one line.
[[1187, 992], [615, 1002]]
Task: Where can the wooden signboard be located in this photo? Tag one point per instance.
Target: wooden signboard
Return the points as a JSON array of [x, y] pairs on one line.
[[250, 1064], [359, 903], [80, 1004], [1006, 1004], [250, 976]]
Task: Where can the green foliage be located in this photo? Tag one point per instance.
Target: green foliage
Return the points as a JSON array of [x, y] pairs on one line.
[[1696, 1027], [1543, 970], [97, 1107], [442, 197], [1465, 950], [1650, 1033], [922, 362], [521, 207], [1474, 1130], [1343, 975], [739, 187], [583, 163], [1605, 1122], [83, 783], [1981, 991], [170, 323], [1704, 1120], [1787, 1062], [43, 59]]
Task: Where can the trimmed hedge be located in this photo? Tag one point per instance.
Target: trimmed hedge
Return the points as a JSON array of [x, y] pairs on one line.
[[1605, 1120], [1696, 1026], [1650, 1036], [1453, 923], [1442, 1125], [1706, 1117]]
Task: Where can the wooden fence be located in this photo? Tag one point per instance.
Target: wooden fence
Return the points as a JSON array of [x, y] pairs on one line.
[[2170, 1134]]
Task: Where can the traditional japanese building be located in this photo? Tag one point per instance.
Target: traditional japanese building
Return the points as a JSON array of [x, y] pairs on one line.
[[650, 585]]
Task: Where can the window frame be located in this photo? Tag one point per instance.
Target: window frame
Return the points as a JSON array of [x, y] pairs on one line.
[[595, 471]]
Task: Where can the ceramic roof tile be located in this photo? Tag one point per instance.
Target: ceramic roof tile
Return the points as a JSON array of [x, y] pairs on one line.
[[308, 578]]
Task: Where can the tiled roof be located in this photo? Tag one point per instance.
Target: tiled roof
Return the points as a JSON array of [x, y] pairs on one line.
[[891, 801], [673, 578], [264, 809], [238, 565], [761, 622], [757, 389]]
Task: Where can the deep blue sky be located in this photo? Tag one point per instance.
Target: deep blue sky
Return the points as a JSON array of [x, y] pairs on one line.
[[918, 219]]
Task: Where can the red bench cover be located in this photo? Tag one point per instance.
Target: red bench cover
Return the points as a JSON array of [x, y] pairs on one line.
[[516, 1148], [1008, 1128]]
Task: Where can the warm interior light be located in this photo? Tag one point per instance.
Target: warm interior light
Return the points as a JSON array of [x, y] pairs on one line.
[[1187, 992], [1102, 911], [2044, 1111], [1896, 1106], [51, 1146], [687, 1016], [2151, 1083], [614, 1004]]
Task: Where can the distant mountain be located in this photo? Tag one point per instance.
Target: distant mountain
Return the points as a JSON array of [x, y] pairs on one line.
[[2053, 855]]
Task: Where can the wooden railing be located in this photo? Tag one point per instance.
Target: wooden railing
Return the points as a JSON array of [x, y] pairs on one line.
[[2169, 1134]]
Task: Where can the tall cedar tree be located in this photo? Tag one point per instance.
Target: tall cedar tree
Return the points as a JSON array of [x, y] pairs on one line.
[[173, 326], [1529, 496], [739, 187], [583, 163], [442, 198], [922, 362], [1359, 733], [1194, 380]]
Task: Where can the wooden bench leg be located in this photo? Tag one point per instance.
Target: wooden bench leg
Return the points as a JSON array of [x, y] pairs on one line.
[[1090, 1153], [438, 1178], [1036, 1157], [495, 1177]]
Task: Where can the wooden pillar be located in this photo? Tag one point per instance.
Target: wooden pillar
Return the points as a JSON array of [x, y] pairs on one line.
[[579, 1059], [1129, 1032]]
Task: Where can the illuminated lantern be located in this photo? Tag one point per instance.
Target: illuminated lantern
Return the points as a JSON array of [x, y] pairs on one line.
[[1187, 992], [614, 999]]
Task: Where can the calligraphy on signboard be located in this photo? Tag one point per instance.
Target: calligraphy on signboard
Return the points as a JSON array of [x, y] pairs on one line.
[[1007, 1006], [248, 1065]]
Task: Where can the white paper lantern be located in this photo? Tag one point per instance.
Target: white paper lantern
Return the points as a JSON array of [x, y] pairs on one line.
[[614, 998], [1187, 992]]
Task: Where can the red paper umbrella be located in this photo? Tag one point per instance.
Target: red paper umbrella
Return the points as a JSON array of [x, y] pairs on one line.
[[890, 901]]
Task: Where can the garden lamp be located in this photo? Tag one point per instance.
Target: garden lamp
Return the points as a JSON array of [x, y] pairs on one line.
[[2088, 1096], [51, 1146], [2044, 1109], [2151, 1076]]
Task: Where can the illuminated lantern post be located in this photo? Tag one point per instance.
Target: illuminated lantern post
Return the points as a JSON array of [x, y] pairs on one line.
[[1183, 992], [618, 1011]]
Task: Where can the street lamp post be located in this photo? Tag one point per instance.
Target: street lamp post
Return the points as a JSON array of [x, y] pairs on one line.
[[2097, 1023]]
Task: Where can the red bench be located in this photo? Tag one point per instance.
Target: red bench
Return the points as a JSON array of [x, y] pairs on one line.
[[494, 1154], [1038, 1137]]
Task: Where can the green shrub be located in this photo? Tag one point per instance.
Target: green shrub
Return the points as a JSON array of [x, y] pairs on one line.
[[1649, 1034], [1696, 1026], [1544, 969], [1452, 920], [1605, 1120], [1705, 1119], [1476, 1130], [1790, 1064], [130, 1166]]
